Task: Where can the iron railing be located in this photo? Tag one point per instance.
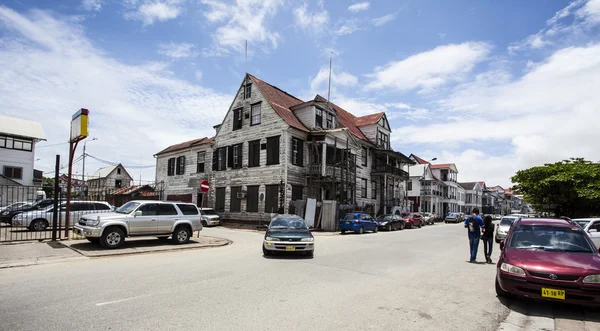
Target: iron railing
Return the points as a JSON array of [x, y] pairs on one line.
[[389, 169]]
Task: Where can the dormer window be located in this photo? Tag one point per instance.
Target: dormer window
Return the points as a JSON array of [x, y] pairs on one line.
[[329, 124], [319, 118], [383, 140]]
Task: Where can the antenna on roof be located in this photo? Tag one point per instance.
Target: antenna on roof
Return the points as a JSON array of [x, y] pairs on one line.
[[246, 58], [329, 85]]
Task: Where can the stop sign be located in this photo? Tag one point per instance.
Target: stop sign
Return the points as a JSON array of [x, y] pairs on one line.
[[204, 186]]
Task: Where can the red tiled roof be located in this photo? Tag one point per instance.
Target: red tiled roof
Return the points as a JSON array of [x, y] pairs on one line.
[[348, 120], [369, 119], [420, 160], [131, 189], [186, 144], [280, 101], [441, 166]]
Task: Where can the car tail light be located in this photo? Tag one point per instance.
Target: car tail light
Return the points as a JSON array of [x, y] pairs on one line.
[[355, 221]]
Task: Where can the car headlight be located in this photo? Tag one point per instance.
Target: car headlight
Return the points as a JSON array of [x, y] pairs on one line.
[[592, 279], [308, 239], [512, 269], [92, 222], [272, 239], [383, 223]]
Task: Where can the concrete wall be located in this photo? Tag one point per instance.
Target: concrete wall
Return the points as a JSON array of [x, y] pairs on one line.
[[17, 158]]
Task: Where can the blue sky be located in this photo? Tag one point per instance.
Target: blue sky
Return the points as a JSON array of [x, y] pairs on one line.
[[492, 86]]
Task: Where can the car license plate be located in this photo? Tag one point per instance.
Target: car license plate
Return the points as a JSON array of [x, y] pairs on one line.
[[75, 231], [552, 293], [347, 222], [290, 248]]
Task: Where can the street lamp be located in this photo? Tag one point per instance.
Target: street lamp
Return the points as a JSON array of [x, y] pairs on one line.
[[435, 158], [83, 170]]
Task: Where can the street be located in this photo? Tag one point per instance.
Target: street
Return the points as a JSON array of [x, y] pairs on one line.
[[405, 280]]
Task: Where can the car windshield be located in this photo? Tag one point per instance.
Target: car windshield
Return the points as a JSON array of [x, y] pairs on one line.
[[294, 223], [384, 218], [209, 212], [550, 238], [127, 208], [349, 217], [507, 220], [452, 215], [583, 223]]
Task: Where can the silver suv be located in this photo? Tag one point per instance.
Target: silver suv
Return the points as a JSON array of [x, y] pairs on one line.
[[177, 220]]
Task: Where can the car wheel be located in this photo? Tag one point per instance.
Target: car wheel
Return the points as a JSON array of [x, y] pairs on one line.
[[498, 241], [419, 226], [266, 252], [93, 240], [389, 228], [112, 238], [343, 231], [204, 223], [181, 235], [500, 292], [375, 230], [401, 226], [361, 230], [38, 225]]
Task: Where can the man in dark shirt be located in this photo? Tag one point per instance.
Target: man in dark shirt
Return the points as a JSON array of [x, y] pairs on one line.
[[474, 223]]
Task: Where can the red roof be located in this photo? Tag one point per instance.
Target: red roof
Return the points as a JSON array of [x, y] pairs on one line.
[[420, 160], [280, 101], [369, 119], [194, 142], [441, 166], [348, 120]]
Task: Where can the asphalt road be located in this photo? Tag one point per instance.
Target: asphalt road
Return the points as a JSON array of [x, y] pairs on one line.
[[405, 280]]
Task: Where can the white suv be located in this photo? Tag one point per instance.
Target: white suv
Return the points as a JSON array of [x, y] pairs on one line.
[[177, 220], [41, 219]]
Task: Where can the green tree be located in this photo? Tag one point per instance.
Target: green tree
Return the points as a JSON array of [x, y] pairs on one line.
[[570, 187], [48, 186]]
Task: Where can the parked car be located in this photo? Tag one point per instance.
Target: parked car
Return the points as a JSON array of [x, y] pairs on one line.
[[503, 227], [412, 220], [497, 217], [40, 220], [390, 222], [14, 205], [6, 215], [592, 227], [177, 220], [210, 217], [452, 218], [7, 212], [288, 234], [549, 259], [357, 222], [428, 218]]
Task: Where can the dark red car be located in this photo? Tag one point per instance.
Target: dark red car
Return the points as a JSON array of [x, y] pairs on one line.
[[550, 259], [412, 219]]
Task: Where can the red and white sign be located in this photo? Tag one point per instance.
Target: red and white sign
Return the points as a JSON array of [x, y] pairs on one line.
[[204, 186]]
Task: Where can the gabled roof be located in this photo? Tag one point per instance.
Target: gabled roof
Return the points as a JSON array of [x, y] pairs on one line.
[[22, 128], [369, 119], [280, 101], [104, 172], [419, 160], [187, 144], [133, 189], [468, 185], [442, 166], [345, 118]]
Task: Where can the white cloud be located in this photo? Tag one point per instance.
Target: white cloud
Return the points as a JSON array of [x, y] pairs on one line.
[[244, 20], [590, 12], [379, 21], [92, 5], [151, 11], [319, 82], [361, 107], [345, 27], [177, 50], [431, 69], [198, 75], [51, 69], [355, 8], [315, 22]]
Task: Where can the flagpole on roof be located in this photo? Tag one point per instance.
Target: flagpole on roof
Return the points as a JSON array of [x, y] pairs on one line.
[[329, 84]]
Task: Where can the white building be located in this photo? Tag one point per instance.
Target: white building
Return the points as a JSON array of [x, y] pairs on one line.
[[474, 196], [17, 150], [106, 180]]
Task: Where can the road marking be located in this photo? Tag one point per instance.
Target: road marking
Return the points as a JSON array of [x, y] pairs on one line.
[[121, 300]]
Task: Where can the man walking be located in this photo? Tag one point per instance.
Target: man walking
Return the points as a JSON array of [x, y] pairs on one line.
[[474, 223]]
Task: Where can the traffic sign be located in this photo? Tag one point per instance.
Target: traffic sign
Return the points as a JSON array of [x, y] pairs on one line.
[[204, 186]]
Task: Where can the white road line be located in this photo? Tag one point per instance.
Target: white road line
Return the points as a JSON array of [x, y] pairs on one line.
[[121, 300]]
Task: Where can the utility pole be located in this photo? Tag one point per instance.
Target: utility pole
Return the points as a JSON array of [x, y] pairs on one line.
[[83, 166]]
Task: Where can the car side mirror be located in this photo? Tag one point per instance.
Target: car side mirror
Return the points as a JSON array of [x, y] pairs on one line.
[[137, 213], [502, 245]]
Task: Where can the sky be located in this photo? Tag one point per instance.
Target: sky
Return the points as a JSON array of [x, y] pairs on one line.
[[492, 86]]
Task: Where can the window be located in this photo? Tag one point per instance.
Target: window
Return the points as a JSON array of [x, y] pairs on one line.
[[149, 209], [118, 171], [187, 209], [201, 160], [118, 183], [364, 156], [363, 188], [171, 167], [319, 118], [247, 91], [255, 114], [252, 199], [237, 118], [220, 199], [180, 169], [167, 209], [222, 158], [273, 150], [236, 203], [101, 206], [297, 192], [383, 140], [373, 189], [15, 143], [271, 198], [409, 185], [329, 124], [254, 153], [13, 172], [297, 152], [235, 156]]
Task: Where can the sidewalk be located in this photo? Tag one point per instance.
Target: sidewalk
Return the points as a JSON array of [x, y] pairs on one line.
[[34, 253]]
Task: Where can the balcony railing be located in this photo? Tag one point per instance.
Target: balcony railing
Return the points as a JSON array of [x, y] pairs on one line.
[[389, 169], [316, 169]]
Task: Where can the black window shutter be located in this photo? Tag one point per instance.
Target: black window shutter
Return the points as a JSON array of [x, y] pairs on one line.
[[301, 153], [257, 153], [215, 160], [239, 156], [230, 156]]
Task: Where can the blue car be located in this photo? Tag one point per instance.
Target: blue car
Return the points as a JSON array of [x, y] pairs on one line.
[[358, 222]]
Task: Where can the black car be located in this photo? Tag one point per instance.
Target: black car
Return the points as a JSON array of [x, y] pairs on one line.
[[288, 234], [7, 215], [390, 222]]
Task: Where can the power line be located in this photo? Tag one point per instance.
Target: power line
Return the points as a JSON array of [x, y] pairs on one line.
[[51, 145], [65, 166], [116, 163]]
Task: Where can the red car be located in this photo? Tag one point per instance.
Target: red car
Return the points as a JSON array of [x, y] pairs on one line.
[[549, 259], [412, 219]]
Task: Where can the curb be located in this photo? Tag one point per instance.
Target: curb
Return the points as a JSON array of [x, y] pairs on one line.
[[29, 263]]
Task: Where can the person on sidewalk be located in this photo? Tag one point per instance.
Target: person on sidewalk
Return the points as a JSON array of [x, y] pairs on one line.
[[474, 224], [488, 238]]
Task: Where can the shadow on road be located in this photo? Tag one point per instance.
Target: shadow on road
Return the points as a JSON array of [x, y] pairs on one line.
[[282, 256]]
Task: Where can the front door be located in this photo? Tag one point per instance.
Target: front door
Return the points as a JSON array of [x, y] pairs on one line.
[[167, 216], [147, 222]]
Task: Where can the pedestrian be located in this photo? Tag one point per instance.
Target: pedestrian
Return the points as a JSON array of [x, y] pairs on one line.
[[474, 224], [488, 238]]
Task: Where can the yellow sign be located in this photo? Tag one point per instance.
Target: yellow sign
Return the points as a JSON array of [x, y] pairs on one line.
[[79, 125]]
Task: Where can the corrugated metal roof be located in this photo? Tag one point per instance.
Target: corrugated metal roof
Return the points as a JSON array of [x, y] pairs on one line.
[[369, 119], [190, 143], [22, 128]]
